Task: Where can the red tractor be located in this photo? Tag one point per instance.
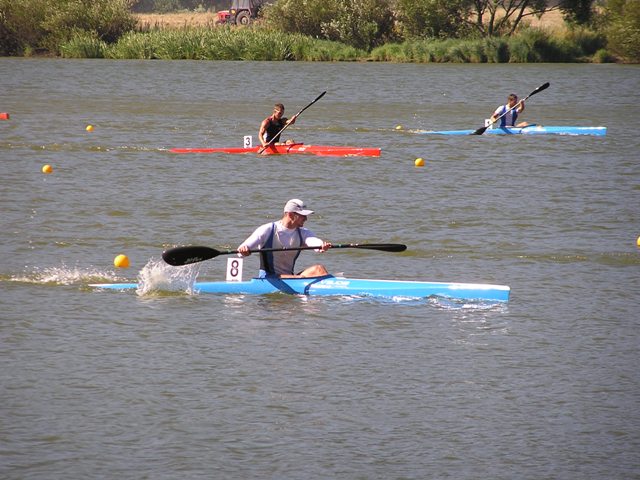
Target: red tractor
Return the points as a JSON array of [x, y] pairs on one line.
[[242, 12]]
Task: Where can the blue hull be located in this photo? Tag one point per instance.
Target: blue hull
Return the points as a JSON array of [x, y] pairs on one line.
[[530, 130], [346, 286]]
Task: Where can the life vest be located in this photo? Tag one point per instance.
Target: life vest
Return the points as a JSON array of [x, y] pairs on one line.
[[513, 114], [266, 258]]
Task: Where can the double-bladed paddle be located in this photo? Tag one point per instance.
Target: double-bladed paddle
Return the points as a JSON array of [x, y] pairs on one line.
[[287, 125], [481, 130], [185, 255]]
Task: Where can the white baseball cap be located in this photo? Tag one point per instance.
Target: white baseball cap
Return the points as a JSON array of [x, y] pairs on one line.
[[296, 205]]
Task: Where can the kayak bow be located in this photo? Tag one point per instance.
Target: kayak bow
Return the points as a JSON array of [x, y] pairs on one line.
[[295, 148], [528, 130], [330, 285]]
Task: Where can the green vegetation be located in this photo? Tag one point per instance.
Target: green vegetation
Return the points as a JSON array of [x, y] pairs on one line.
[[363, 24], [433, 19], [623, 29], [477, 31], [227, 43], [28, 26], [531, 45], [222, 43]]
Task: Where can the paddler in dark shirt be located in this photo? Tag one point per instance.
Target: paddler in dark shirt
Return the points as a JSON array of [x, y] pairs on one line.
[[271, 125]]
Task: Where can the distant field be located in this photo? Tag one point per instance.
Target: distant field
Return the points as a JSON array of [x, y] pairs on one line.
[[551, 20], [175, 20]]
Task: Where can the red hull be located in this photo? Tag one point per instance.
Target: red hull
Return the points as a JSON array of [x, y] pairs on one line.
[[296, 148]]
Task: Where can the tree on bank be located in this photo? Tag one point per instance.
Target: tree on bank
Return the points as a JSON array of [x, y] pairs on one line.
[[623, 29], [577, 12], [43, 25], [367, 23], [503, 17], [433, 18], [360, 23]]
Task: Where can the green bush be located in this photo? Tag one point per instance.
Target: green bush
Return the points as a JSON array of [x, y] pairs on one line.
[[21, 25], [391, 52], [527, 46], [48, 24], [227, 43], [623, 31], [433, 18], [496, 49], [83, 45], [362, 24], [109, 19], [293, 16], [587, 40], [535, 45], [602, 56], [131, 45]]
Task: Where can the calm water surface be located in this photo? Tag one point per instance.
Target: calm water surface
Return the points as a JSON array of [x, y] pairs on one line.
[[112, 384]]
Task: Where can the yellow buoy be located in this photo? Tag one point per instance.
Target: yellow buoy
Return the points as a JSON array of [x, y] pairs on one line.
[[419, 162], [398, 127], [47, 169], [89, 128], [121, 261], [638, 241]]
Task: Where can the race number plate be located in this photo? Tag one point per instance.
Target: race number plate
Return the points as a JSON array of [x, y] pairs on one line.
[[234, 269]]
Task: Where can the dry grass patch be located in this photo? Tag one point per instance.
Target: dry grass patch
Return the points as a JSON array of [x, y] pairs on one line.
[[552, 21], [175, 21]]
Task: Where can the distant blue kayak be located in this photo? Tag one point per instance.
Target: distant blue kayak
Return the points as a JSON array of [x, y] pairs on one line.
[[330, 285], [529, 130]]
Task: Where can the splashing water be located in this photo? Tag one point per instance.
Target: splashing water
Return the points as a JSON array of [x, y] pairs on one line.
[[63, 275], [156, 275]]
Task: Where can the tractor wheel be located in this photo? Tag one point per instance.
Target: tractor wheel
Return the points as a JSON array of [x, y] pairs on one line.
[[243, 18]]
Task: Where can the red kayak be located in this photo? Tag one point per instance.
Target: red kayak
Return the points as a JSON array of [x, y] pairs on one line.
[[294, 148]]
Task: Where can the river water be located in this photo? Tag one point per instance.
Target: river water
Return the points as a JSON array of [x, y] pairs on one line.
[[179, 386]]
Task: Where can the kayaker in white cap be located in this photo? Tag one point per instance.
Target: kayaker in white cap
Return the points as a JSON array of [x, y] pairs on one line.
[[288, 232]]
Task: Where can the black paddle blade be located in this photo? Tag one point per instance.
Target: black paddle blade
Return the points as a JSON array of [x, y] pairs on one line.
[[317, 98], [185, 255], [479, 131], [540, 88], [385, 247]]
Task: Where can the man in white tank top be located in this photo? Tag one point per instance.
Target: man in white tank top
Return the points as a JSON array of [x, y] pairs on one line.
[[509, 112], [288, 232]]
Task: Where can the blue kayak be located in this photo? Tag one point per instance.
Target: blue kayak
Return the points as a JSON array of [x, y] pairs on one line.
[[528, 130], [330, 285]]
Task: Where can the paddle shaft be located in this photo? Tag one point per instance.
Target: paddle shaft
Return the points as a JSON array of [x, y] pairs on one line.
[[287, 125], [542, 87], [192, 254]]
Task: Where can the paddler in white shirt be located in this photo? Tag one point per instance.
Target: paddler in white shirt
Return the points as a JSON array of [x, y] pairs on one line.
[[509, 120], [287, 232]]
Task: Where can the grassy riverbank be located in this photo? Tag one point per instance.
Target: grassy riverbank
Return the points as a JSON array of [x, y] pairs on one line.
[[227, 43], [111, 30]]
